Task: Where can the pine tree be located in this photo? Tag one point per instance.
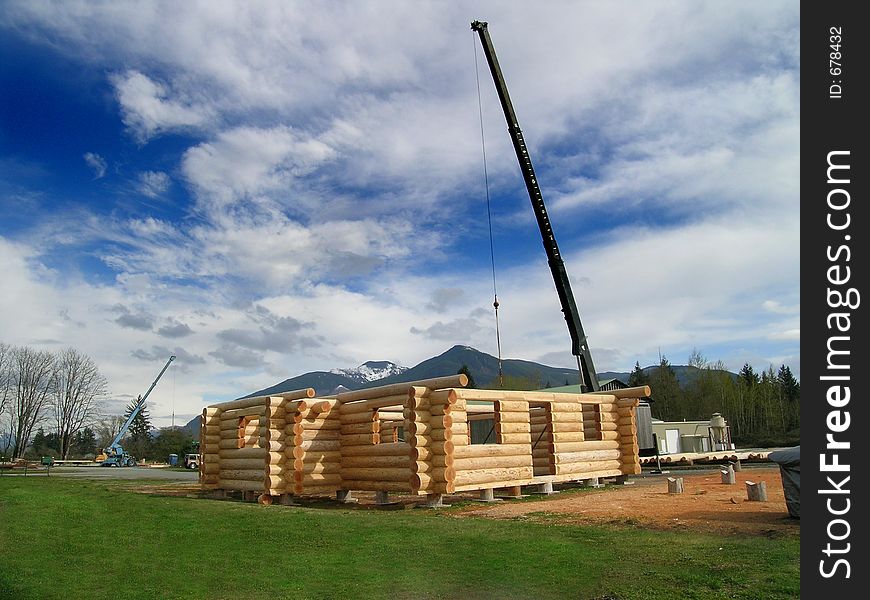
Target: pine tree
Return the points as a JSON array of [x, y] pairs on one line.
[[138, 438], [637, 377]]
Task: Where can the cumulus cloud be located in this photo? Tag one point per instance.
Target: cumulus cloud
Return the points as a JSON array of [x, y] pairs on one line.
[[97, 163], [175, 329], [183, 357], [134, 320], [150, 108], [456, 331]]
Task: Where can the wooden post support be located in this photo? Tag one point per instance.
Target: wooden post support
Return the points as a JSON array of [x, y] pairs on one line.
[[382, 497], [487, 495], [546, 488], [249, 496], [345, 496], [675, 485], [622, 480], [593, 483], [728, 475], [736, 465], [220, 494], [434, 501], [265, 499], [756, 492], [287, 500]]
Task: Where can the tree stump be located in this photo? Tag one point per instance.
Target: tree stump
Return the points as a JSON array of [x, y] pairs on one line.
[[728, 475], [675, 485], [265, 499], [756, 492]]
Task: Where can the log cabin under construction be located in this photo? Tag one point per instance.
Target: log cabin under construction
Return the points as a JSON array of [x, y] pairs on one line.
[[427, 438]]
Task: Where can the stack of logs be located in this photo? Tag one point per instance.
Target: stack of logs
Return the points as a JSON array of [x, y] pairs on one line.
[[293, 443]]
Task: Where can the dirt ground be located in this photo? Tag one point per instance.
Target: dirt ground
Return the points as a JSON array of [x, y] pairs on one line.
[[705, 505]]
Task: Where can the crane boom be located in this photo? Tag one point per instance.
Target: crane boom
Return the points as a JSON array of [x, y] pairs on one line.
[[579, 347], [139, 404]]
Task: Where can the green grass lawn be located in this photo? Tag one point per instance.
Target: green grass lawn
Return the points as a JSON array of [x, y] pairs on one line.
[[71, 539]]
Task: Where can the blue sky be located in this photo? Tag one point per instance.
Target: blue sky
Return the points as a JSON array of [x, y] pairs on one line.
[[270, 188]]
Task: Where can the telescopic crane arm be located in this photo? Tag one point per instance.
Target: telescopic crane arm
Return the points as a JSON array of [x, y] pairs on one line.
[[579, 347], [139, 404]]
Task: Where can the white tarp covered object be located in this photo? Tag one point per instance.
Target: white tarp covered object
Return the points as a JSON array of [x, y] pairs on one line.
[[789, 461]]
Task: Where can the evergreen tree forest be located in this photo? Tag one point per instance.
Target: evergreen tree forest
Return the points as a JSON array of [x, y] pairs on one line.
[[762, 409]]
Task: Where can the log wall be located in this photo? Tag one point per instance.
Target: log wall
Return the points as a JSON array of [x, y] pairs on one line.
[[414, 438]]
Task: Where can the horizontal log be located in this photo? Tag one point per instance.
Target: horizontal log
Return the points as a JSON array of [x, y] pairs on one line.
[[627, 402], [242, 463], [360, 439], [231, 443], [451, 381], [358, 417], [502, 427], [376, 474], [487, 450], [210, 468], [320, 467], [210, 411], [357, 428], [376, 486], [514, 438], [566, 417], [419, 428], [443, 421], [315, 458], [588, 455], [243, 474], [587, 466], [251, 412], [242, 485], [507, 406], [315, 445], [478, 476], [374, 403], [243, 453], [399, 449], [316, 478], [314, 425], [255, 400], [397, 461], [643, 391], [586, 445], [492, 462]]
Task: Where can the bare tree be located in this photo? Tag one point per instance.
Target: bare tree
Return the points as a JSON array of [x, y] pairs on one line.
[[5, 394], [31, 378], [108, 428], [79, 385]]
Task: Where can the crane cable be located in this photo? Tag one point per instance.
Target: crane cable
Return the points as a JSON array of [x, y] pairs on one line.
[[488, 215]]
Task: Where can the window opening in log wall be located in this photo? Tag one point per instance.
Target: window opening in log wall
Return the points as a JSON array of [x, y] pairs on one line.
[[390, 425], [249, 432], [481, 427], [541, 422], [591, 422]]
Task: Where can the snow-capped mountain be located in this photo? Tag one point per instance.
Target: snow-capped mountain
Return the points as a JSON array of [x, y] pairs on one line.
[[372, 370]]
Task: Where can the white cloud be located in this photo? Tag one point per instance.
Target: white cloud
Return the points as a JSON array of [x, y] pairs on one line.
[[153, 183], [149, 108], [97, 163]]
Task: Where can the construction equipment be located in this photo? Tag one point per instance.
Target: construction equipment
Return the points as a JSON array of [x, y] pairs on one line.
[[115, 456], [579, 347]]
